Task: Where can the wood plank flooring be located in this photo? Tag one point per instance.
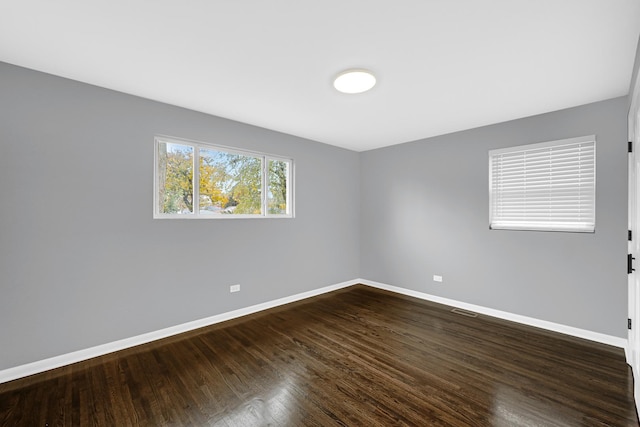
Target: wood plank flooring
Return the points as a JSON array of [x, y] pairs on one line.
[[355, 357]]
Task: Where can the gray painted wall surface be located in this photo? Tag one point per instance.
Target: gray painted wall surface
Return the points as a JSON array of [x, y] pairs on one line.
[[83, 263], [634, 74], [425, 211]]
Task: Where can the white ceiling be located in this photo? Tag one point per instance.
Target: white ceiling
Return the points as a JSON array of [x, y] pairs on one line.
[[442, 65]]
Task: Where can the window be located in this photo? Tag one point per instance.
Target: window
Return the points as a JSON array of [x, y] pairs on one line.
[[548, 186], [197, 180]]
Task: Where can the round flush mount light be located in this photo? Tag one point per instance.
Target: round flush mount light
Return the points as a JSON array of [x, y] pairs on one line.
[[354, 81]]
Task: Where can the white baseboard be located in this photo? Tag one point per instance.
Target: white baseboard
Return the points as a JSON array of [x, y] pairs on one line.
[[100, 350], [530, 321]]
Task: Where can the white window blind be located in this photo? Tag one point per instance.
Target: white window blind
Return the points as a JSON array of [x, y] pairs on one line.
[[547, 186]]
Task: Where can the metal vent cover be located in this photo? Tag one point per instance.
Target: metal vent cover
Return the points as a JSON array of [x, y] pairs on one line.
[[464, 312]]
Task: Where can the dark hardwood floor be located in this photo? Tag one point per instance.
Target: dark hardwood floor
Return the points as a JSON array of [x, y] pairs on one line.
[[355, 357]]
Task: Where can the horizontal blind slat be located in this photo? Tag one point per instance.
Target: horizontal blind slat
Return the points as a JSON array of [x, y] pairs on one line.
[[536, 162]]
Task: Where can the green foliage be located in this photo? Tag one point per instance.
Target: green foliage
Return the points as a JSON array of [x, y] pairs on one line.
[[176, 180], [246, 174], [228, 183], [277, 187]]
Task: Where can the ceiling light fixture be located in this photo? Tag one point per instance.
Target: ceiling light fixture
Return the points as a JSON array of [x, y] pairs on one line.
[[354, 81]]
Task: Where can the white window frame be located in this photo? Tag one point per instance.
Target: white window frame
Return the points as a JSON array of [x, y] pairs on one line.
[[586, 225], [197, 145]]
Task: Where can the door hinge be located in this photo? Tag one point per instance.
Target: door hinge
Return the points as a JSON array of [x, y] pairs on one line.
[[630, 268], [630, 234], [628, 323], [630, 148]]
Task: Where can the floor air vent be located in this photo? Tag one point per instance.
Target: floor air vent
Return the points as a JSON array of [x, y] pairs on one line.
[[464, 313]]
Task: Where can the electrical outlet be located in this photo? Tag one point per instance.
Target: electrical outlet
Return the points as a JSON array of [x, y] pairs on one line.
[[437, 278], [234, 288]]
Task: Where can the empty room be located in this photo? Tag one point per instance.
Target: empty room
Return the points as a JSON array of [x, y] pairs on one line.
[[295, 213]]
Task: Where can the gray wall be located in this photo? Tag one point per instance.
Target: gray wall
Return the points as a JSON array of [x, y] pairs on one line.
[[83, 263], [424, 208], [634, 73]]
